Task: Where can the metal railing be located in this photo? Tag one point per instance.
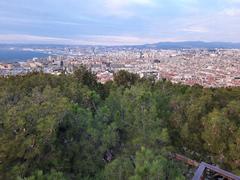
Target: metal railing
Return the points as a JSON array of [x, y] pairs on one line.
[[200, 173], [205, 169]]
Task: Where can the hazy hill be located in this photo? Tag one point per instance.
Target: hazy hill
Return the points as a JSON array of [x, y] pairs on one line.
[[193, 44]]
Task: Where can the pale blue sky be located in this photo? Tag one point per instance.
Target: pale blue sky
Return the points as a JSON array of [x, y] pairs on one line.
[[118, 21]]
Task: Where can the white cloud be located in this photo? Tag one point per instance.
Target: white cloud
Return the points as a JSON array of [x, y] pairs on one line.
[[233, 1], [232, 12], [123, 8], [25, 38], [38, 21], [84, 40], [195, 29], [115, 4], [123, 40]]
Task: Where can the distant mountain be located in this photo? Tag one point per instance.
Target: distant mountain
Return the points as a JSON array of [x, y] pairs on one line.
[[193, 44]]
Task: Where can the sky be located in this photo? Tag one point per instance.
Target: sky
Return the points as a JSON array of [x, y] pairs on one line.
[[118, 22]]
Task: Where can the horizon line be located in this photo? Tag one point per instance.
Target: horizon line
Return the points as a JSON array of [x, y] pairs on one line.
[[143, 44]]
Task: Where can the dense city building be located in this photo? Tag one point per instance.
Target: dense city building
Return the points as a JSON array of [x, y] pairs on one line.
[[206, 67]]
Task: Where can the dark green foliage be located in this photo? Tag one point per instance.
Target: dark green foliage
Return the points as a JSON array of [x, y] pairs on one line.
[[125, 79], [39, 175], [154, 166], [72, 127], [84, 76]]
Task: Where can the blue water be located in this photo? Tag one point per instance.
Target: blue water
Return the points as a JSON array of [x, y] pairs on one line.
[[11, 56]]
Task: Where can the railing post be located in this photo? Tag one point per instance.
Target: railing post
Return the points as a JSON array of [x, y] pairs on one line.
[[199, 173]]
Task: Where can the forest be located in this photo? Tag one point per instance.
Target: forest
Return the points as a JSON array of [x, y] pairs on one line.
[[72, 127]]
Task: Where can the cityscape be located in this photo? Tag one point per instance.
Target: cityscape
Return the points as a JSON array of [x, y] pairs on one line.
[[120, 90], [205, 67]]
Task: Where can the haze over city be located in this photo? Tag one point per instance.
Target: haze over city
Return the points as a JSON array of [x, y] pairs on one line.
[[118, 22]]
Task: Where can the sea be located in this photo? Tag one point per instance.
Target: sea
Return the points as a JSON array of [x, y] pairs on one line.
[[11, 56]]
